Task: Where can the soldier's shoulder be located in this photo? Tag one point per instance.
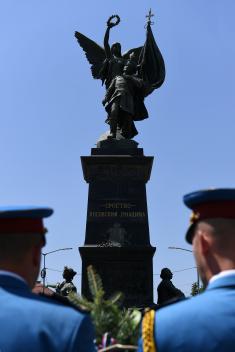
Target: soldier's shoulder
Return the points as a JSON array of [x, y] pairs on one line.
[[171, 302], [64, 302]]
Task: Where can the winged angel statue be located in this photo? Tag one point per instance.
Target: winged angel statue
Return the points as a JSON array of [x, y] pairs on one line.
[[128, 77]]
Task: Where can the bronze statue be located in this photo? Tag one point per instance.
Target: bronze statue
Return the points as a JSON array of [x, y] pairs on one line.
[[66, 287], [128, 78], [166, 290]]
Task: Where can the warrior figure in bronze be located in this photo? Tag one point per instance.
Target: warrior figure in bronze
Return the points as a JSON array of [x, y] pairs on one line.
[[67, 286], [128, 77], [167, 292]]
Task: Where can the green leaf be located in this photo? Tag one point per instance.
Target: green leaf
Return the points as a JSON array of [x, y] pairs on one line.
[[117, 297], [95, 283], [80, 302]]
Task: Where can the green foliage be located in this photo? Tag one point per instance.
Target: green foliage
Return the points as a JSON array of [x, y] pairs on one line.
[[107, 315], [128, 331], [80, 301], [196, 290], [95, 284]]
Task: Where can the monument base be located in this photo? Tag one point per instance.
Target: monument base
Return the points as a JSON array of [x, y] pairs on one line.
[[125, 269], [117, 233]]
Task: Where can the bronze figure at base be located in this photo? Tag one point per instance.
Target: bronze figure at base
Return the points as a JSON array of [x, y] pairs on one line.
[[67, 286], [166, 290]]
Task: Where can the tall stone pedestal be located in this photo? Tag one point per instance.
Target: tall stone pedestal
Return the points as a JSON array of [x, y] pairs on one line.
[[117, 233]]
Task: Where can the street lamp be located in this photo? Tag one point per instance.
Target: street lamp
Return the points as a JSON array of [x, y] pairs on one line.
[[43, 271], [188, 250], [183, 249]]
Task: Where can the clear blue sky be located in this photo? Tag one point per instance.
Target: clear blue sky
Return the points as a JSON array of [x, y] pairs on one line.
[[51, 113]]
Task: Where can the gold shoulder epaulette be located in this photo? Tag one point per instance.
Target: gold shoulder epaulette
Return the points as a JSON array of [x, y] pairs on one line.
[[148, 332]]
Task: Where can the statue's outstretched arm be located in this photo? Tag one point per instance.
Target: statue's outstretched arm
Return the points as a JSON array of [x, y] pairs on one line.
[[106, 42], [110, 24]]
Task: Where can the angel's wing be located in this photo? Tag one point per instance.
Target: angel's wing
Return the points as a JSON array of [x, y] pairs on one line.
[[94, 53], [134, 52]]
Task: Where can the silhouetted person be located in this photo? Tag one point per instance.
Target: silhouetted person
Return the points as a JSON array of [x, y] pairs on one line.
[[166, 290], [67, 286]]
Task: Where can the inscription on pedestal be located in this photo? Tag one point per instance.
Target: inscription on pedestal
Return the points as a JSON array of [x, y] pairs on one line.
[[117, 209], [114, 214]]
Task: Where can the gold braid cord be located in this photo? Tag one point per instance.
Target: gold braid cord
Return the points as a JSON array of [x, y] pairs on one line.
[[148, 332]]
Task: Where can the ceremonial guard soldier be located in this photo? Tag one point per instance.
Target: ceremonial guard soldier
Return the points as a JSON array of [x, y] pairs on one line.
[[205, 322], [28, 321]]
